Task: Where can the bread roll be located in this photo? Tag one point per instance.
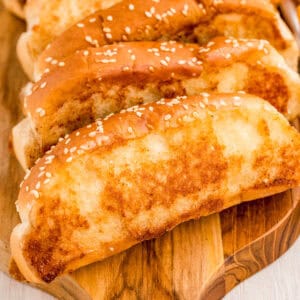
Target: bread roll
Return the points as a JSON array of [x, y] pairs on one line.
[[186, 21], [137, 174], [47, 19], [95, 82]]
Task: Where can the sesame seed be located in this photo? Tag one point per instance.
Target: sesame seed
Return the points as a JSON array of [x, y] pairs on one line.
[[109, 18], [205, 94], [158, 17], [35, 193], [92, 134], [48, 174], [185, 10], [126, 68], [195, 115], [106, 29], [92, 20], [107, 61], [80, 25], [163, 62], [182, 62], [61, 64], [132, 57], [227, 55], [54, 62], [148, 14], [88, 38], [108, 35], [41, 111], [131, 6], [139, 114], [130, 130], [111, 248], [167, 117], [69, 159], [46, 181], [41, 174], [151, 68], [73, 149], [127, 30], [43, 85], [152, 10], [50, 157], [27, 188], [85, 52], [38, 185], [67, 141]]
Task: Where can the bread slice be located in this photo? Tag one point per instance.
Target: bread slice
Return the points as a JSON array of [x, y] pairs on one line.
[[185, 21], [16, 7], [137, 174], [47, 19], [95, 82]]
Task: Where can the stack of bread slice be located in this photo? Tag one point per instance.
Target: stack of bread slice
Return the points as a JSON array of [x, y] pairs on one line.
[[147, 114]]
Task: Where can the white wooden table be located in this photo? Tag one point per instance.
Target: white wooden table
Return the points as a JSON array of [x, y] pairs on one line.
[[279, 281]]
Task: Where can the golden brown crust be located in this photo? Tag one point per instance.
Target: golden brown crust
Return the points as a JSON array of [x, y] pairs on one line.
[[98, 81], [172, 19], [136, 174]]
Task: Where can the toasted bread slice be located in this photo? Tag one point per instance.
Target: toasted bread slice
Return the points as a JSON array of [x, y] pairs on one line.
[[95, 82], [134, 175], [185, 21]]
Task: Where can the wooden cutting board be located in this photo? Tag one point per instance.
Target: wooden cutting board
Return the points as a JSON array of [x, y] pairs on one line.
[[201, 259]]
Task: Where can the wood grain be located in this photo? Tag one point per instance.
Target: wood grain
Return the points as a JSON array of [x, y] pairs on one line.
[[201, 259]]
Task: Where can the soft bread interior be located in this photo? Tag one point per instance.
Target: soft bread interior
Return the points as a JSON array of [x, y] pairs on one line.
[[26, 143]]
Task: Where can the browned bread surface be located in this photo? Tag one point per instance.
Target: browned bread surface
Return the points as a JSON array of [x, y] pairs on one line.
[[186, 21], [97, 81], [139, 173]]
